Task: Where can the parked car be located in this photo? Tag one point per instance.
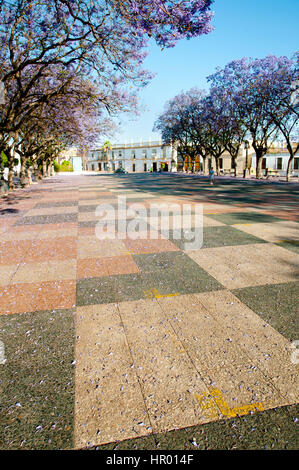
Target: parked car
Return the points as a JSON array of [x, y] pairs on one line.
[[121, 170]]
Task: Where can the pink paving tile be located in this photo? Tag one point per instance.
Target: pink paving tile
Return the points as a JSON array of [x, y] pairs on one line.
[[284, 215], [39, 227], [91, 268], [21, 298], [110, 266], [6, 222], [12, 252], [149, 246], [121, 265], [52, 249], [86, 231]]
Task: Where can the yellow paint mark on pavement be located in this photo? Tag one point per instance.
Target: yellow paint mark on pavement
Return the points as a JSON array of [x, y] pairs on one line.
[[217, 402], [154, 294]]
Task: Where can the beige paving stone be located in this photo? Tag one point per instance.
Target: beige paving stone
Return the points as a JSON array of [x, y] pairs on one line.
[[6, 273], [231, 375], [92, 216], [109, 405], [210, 208], [169, 380], [97, 201], [5, 223], [39, 234], [52, 211], [273, 232], [248, 265], [59, 233], [91, 247], [14, 236], [140, 195], [270, 351], [46, 271]]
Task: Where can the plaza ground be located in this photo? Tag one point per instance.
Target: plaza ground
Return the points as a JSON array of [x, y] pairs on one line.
[[144, 344]]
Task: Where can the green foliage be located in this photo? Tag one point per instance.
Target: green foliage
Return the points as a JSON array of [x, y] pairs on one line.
[[64, 166], [4, 159], [5, 162], [29, 163], [56, 167]]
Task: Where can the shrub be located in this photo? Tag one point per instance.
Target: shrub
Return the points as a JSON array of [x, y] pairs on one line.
[[4, 160], [56, 166], [64, 166]]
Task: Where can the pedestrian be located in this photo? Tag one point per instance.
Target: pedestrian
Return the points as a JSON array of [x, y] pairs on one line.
[[211, 175]]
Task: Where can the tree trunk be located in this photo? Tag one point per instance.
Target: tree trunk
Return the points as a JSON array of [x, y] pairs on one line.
[[23, 177], [288, 174], [28, 174], [234, 165], [36, 171], [259, 162], [44, 168], [10, 172], [49, 169]]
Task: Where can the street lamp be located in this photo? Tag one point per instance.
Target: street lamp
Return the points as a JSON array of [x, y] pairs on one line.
[[246, 145]]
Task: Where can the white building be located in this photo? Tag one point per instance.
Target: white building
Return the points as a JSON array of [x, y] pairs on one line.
[[134, 158], [278, 162]]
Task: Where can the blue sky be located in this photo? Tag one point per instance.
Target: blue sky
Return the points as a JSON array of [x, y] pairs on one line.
[[251, 28]]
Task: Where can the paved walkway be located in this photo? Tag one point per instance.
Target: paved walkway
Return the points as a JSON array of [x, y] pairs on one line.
[[144, 341]]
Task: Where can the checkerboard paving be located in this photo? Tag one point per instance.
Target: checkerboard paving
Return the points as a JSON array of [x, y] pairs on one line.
[[124, 338]]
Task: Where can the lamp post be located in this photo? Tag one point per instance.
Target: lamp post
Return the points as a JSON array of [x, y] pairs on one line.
[[246, 144]]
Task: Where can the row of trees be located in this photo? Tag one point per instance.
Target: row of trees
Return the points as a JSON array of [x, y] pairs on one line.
[[68, 66], [249, 99]]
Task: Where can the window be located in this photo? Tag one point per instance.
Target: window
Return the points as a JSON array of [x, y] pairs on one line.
[[144, 167], [133, 167], [221, 163], [164, 152], [113, 155], [296, 163], [279, 163], [264, 163], [154, 153], [133, 154], [119, 153], [144, 154]]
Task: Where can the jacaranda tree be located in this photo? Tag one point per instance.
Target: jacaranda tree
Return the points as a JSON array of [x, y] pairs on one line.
[[257, 89], [106, 40]]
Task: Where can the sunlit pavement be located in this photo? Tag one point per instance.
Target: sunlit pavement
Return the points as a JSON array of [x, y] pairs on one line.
[[127, 344]]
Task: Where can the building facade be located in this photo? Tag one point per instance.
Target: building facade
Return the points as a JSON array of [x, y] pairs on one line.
[[134, 158], [154, 156], [275, 161]]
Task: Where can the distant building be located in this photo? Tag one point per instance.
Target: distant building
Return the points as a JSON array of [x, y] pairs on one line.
[[73, 156], [276, 159], [154, 156], [134, 158]]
